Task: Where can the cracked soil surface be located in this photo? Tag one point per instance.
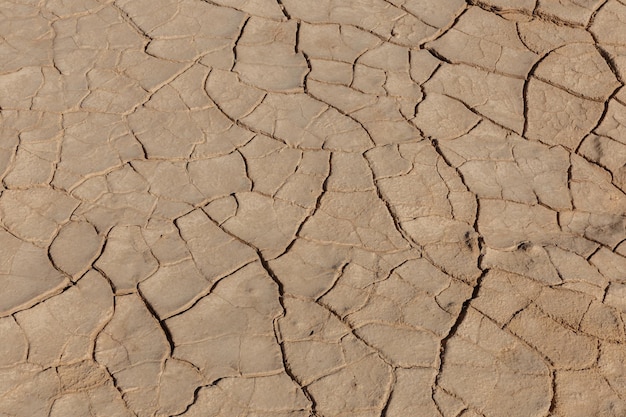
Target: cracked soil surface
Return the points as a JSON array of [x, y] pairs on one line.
[[296, 208]]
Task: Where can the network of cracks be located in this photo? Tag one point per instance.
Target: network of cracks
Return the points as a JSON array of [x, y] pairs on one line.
[[295, 208]]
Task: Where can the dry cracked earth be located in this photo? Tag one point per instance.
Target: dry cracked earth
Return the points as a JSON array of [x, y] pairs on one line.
[[331, 208]]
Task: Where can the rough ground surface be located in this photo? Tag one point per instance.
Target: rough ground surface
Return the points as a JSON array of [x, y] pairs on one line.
[[338, 208]]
